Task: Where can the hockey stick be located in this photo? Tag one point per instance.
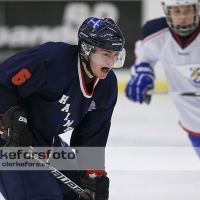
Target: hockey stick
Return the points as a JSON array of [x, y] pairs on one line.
[[60, 176], [161, 92]]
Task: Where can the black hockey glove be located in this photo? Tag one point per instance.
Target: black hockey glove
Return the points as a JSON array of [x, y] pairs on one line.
[[16, 132], [100, 187]]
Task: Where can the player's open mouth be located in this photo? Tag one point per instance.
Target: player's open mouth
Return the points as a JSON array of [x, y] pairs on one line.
[[183, 24], [105, 69]]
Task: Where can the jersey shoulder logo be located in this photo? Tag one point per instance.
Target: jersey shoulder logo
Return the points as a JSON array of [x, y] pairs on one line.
[[191, 72]]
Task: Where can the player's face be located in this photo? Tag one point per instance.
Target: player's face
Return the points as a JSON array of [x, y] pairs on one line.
[[182, 15], [102, 61]]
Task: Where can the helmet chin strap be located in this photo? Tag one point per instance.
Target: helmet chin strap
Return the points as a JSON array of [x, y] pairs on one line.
[[87, 64]]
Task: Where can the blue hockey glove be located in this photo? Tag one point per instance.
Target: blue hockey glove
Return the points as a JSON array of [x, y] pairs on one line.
[[16, 132], [141, 81]]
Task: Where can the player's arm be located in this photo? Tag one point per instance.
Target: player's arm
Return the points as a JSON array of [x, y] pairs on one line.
[[92, 134], [21, 75], [142, 72]]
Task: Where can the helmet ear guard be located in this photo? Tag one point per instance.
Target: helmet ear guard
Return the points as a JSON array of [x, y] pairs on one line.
[[86, 49]]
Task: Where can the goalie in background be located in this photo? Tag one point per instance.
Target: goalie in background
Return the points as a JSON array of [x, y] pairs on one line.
[[52, 89], [173, 40]]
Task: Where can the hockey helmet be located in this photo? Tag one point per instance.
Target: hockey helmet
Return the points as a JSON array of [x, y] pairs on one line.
[[190, 27], [103, 34]]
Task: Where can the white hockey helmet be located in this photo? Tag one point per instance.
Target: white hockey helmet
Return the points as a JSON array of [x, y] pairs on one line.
[[183, 31]]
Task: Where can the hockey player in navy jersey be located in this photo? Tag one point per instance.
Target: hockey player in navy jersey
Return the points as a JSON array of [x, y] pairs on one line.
[[54, 88], [175, 42]]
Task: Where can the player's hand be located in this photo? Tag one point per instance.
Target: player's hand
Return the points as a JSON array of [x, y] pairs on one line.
[[98, 188], [141, 81], [16, 132]]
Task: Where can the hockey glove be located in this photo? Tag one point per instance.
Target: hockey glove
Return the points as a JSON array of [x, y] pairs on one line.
[[100, 187], [141, 81], [16, 132]]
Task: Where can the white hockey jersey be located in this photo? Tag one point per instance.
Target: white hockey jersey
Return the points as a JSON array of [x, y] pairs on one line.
[[180, 57]]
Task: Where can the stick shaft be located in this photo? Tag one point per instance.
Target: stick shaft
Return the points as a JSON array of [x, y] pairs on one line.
[[59, 175], [161, 92]]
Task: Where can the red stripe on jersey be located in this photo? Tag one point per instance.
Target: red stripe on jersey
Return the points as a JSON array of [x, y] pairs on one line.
[[191, 38], [155, 35], [178, 39], [13, 107], [190, 132], [94, 174], [1, 130], [84, 86]]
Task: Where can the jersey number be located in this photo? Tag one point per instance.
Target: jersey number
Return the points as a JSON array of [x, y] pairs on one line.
[[21, 77]]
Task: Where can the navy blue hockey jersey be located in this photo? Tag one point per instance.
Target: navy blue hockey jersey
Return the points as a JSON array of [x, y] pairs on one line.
[[48, 83]]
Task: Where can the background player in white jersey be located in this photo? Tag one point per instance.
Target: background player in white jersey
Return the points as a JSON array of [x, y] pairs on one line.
[[175, 41], [54, 88]]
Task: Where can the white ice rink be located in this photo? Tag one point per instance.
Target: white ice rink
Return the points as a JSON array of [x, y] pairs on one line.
[[161, 165], [149, 156]]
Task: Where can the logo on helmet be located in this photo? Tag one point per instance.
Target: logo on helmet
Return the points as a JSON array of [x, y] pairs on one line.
[[95, 23]]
